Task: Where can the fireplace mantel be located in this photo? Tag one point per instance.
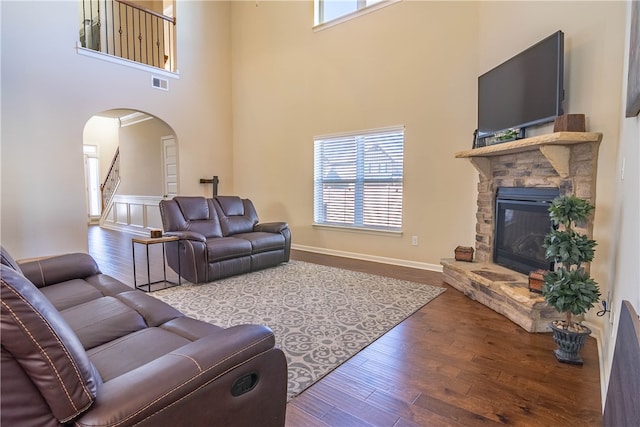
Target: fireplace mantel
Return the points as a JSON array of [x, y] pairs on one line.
[[554, 146]]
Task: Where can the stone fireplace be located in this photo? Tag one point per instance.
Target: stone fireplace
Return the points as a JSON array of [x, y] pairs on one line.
[[565, 162]]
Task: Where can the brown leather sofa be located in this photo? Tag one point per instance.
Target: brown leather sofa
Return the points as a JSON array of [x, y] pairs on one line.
[[221, 237], [81, 348]]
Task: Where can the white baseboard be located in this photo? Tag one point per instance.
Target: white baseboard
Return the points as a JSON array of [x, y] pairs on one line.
[[126, 229], [372, 258]]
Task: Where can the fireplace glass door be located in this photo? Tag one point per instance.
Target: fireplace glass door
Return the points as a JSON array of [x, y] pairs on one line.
[[522, 222]]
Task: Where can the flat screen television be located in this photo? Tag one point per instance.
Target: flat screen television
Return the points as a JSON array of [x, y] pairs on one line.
[[524, 91]]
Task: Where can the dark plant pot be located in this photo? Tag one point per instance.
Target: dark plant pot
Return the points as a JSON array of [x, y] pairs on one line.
[[569, 344]]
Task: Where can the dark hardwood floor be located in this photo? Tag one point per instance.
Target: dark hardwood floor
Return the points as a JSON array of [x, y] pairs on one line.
[[454, 362]]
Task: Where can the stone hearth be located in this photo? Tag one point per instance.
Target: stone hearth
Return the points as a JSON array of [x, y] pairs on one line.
[[504, 291], [563, 160]]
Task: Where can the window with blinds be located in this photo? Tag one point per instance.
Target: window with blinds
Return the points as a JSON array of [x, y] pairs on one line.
[[358, 179], [327, 12]]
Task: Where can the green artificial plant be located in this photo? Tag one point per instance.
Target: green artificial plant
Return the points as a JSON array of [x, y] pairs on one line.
[[569, 288]]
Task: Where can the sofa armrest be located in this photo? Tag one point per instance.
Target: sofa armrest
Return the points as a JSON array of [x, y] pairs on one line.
[[59, 268], [193, 385], [187, 235], [271, 227]]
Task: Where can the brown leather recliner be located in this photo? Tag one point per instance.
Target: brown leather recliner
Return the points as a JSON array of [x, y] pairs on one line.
[[114, 356], [221, 237]]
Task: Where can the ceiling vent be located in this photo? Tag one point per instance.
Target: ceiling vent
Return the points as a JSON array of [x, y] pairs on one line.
[[159, 83]]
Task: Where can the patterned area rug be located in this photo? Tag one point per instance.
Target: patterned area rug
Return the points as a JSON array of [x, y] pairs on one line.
[[321, 316]]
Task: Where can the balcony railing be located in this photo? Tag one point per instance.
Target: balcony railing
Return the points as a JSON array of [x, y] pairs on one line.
[[124, 29]]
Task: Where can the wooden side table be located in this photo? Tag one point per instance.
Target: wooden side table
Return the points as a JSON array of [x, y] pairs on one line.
[[148, 241]]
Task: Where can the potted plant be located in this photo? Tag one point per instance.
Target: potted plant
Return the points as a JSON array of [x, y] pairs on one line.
[[569, 288]]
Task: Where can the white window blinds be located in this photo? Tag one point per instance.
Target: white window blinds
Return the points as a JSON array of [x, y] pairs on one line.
[[358, 179]]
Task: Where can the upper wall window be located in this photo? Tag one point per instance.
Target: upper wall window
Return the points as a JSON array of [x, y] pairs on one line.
[[358, 179], [330, 12]]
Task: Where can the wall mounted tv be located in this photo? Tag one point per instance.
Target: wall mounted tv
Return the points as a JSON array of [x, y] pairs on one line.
[[524, 91]]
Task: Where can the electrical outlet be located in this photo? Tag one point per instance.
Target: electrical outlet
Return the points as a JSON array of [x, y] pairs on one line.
[[414, 240]]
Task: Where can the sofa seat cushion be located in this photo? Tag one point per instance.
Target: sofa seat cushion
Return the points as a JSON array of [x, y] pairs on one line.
[[102, 320], [221, 248], [108, 285], [154, 311], [263, 242], [72, 292], [132, 351], [190, 328]]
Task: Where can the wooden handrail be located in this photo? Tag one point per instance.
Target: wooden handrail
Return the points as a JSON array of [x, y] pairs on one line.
[[111, 181], [149, 11], [113, 162]]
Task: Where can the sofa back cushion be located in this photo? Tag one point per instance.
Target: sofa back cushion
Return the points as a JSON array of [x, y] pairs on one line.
[[7, 259], [37, 339], [193, 208], [236, 215], [47, 271], [190, 213]]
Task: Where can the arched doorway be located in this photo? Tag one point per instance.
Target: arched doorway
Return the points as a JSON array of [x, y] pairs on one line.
[[135, 156]]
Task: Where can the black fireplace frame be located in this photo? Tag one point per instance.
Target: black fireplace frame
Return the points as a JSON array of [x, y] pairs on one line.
[[524, 199]]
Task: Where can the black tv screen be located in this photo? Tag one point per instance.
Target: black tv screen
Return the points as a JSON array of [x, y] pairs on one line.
[[526, 90]]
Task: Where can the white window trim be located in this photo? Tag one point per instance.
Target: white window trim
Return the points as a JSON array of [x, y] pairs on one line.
[[348, 17], [399, 128], [361, 230]]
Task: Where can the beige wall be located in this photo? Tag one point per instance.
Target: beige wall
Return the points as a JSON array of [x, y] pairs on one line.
[[141, 167], [416, 64], [403, 65], [49, 92]]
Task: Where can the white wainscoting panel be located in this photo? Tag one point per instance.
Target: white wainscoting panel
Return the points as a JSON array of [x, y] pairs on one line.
[[134, 214]]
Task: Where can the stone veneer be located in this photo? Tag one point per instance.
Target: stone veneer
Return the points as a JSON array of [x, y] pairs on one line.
[[564, 160], [504, 291]]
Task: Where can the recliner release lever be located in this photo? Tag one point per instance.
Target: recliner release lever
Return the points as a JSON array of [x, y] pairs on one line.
[[244, 384]]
